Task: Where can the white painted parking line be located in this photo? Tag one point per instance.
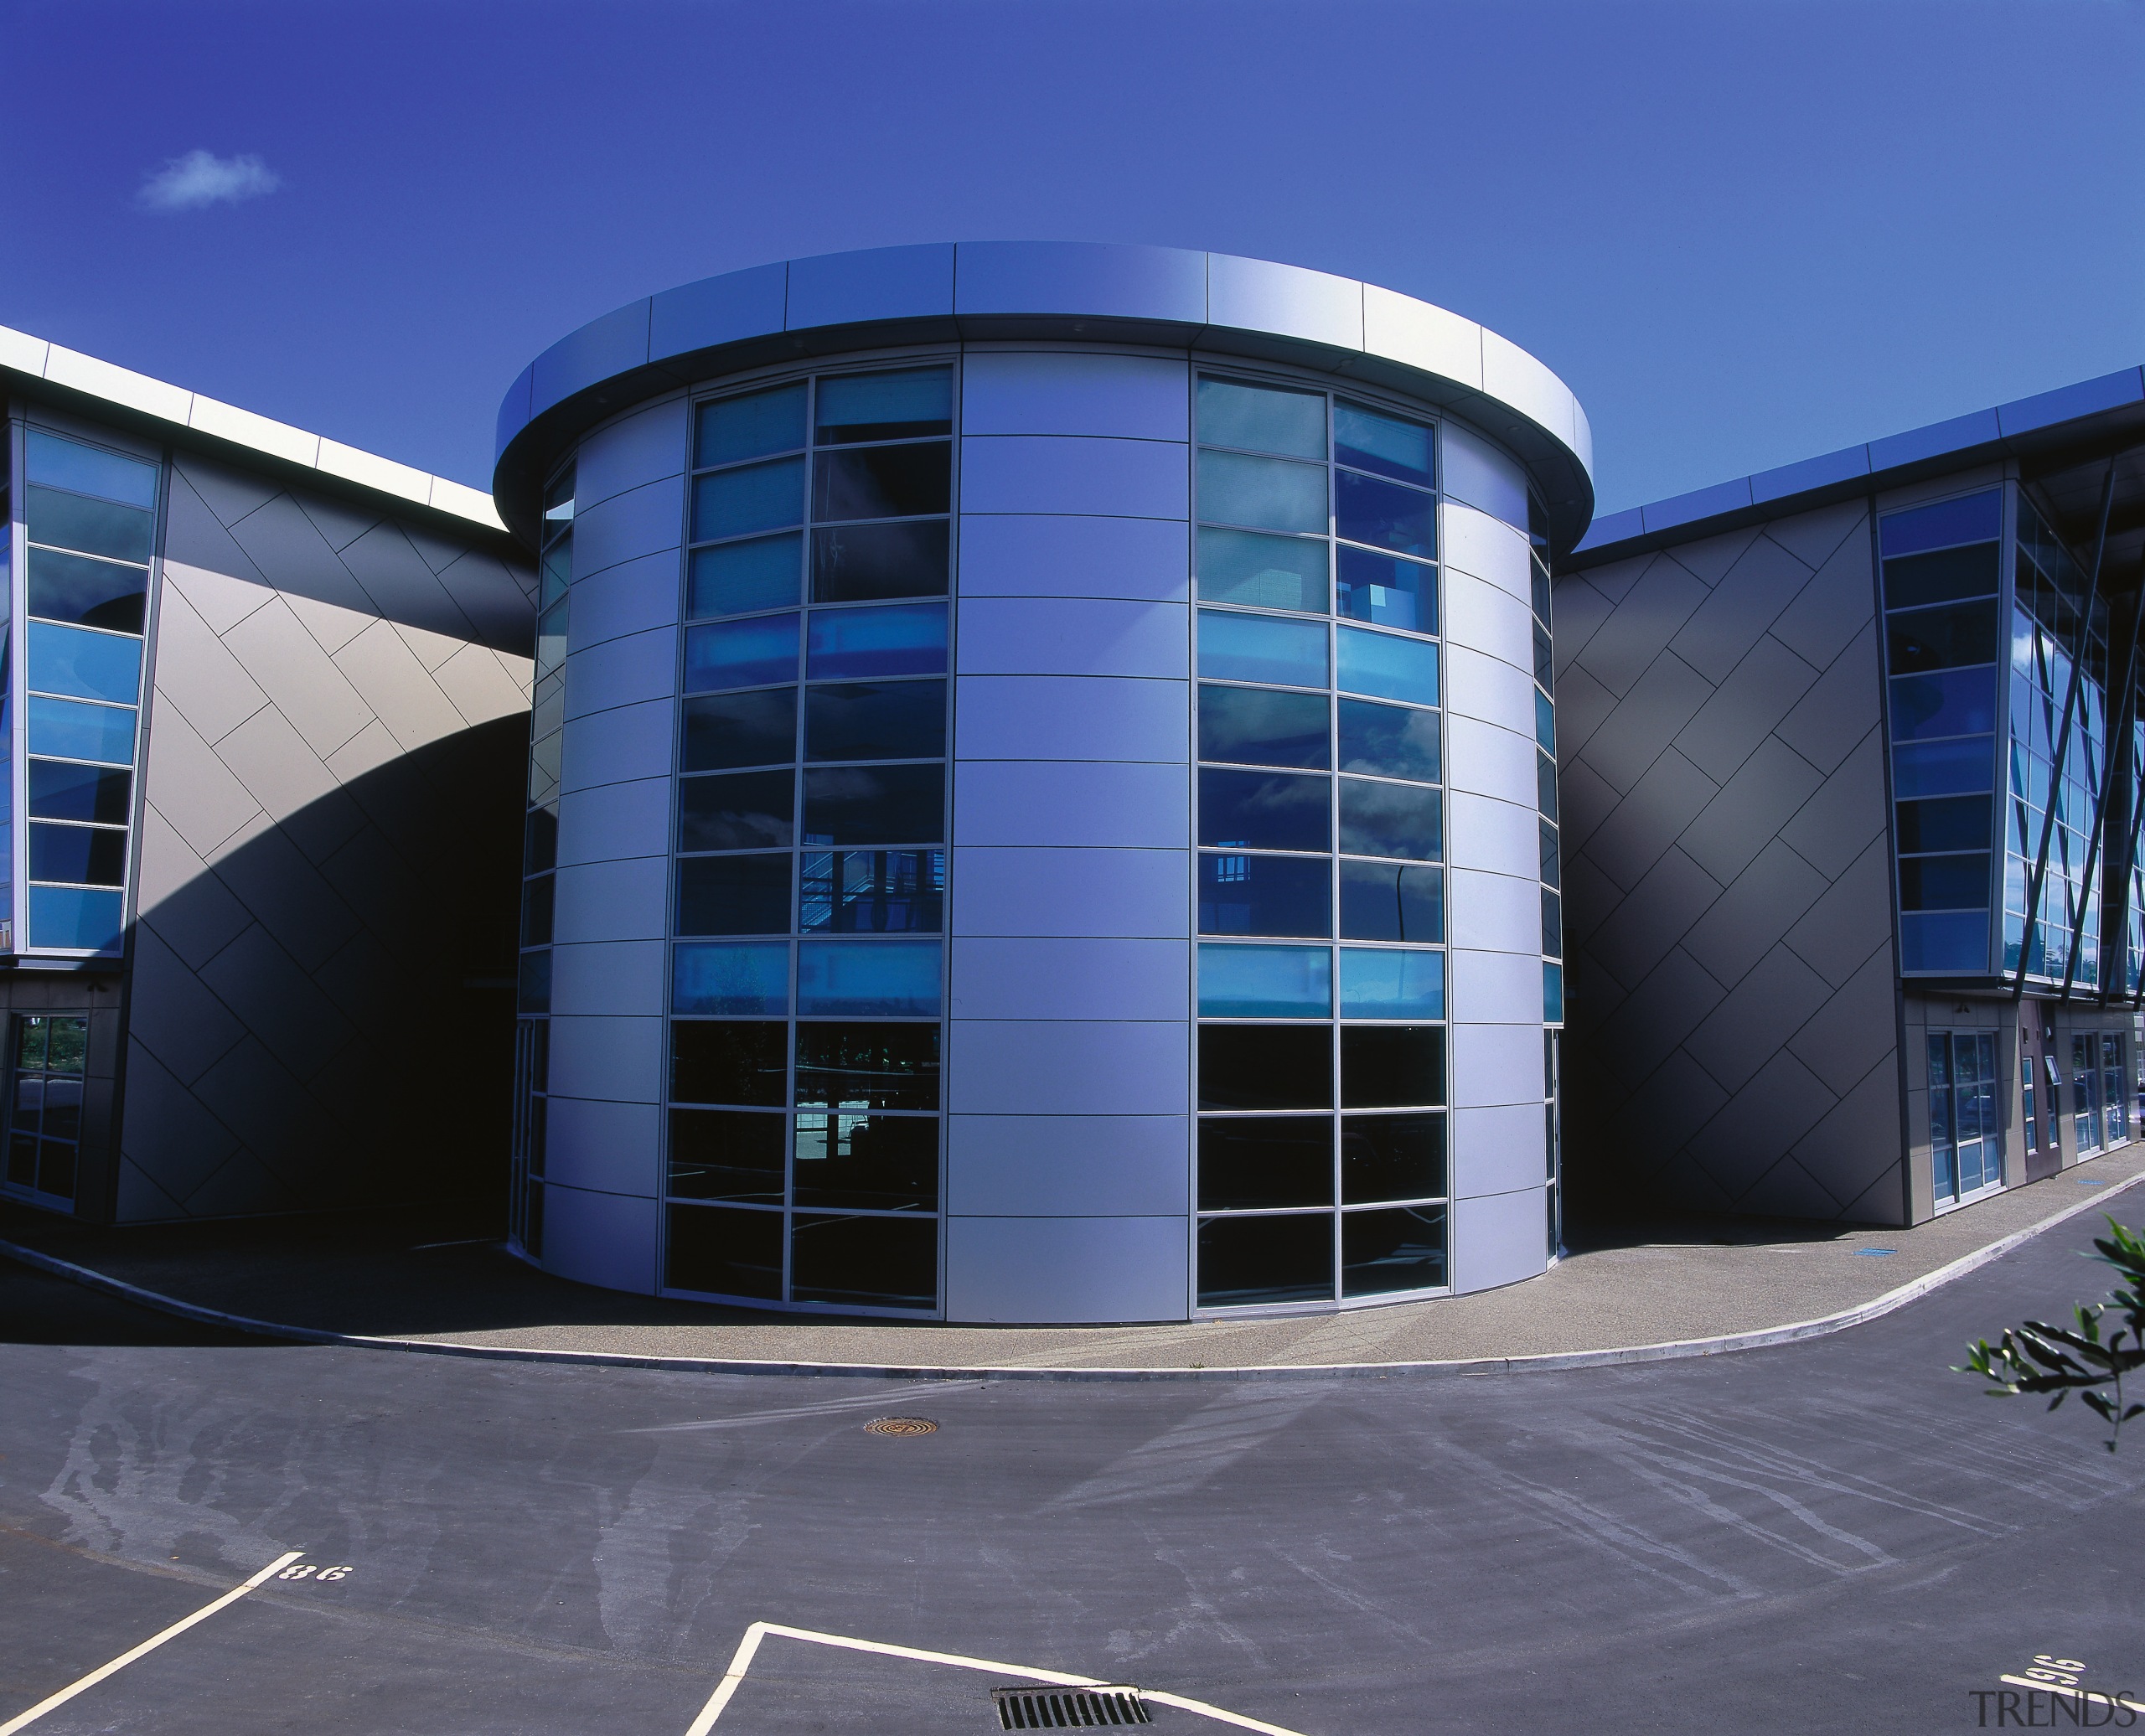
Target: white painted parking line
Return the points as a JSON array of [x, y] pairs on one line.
[[742, 1660], [23, 1720]]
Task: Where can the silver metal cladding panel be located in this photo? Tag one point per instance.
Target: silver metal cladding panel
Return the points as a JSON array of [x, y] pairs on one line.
[[1074, 392], [1068, 1165], [1070, 717], [1041, 556], [606, 1239], [1499, 1239], [643, 447], [1078, 635], [1051, 978], [1056, 1066], [1498, 1148], [610, 1059], [1070, 1269], [1071, 892], [1074, 474], [610, 1147]]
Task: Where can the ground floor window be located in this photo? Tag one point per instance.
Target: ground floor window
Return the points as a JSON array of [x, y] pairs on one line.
[[44, 1103], [532, 1055], [2100, 1090], [1965, 1135]]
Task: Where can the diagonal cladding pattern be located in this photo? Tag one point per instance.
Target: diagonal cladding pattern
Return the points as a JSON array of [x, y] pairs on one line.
[[334, 696], [1728, 885]]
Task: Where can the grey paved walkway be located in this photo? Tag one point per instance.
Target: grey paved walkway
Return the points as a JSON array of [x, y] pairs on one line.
[[1639, 1285]]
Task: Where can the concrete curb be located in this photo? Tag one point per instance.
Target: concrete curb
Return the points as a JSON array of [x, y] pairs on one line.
[[1672, 1350]]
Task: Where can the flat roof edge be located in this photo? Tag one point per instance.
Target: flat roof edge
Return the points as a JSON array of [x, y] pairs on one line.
[[88, 386]]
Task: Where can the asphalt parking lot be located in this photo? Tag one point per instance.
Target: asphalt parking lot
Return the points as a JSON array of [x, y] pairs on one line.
[[1830, 1536]]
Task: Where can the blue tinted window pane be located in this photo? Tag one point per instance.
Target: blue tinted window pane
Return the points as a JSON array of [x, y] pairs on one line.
[[1286, 895], [733, 428], [67, 731], [1391, 820], [1386, 667], [1257, 647], [737, 578], [1953, 702], [73, 917], [1956, 941], [89, 665], [89, 470], [1268, 494], [1262, 419], [1263, 572], [906, 641], [886, 406], [96, 527], [1387, 590], [1386, 985], [1367, 510], [1371, 440], [1943, 768], [1388, 741], [760, 497], [534, 986], [1978, 518], [1266, 810], [1545, 721], [1385, 1252], [743, 653], [750, 979], [1265, 982], [873, 892], [1552, 994], [1256, 726], [867, 978], [1950, 882]]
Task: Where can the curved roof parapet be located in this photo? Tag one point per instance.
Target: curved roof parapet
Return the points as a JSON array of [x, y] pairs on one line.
[[104, 388], [1055, 290]]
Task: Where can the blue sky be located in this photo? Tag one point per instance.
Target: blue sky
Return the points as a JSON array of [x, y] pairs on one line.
[[1745, 232]]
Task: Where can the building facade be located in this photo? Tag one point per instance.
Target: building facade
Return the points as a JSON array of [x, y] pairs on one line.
[[1042, 802], [261, 713], [1851, 778]]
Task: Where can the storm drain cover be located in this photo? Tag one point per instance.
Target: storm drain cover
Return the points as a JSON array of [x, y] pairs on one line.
[[904, 1425], [1058, 1708]]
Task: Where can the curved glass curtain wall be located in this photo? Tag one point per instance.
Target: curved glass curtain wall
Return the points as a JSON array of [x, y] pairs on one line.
[[803, 1159], [1322, 1159], [1552, 879]]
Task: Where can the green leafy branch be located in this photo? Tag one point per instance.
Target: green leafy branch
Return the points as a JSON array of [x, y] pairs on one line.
[[2037, 1357]]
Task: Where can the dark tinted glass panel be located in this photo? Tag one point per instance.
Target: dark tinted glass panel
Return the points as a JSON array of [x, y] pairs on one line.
[[533, 988], [870, 1163], [63, 1112], [867, 1066], [1391, 820], [876, 721], [1369, 440], [1552, 924], [1246, 1260], [1265, 1067], [96, 593], [96, 527], [536, 902], [724, 1254], [864, 1262], [860, 563], [1951, 822], [740, 729], [887, 482], [734, 895], [755, 652], [886, 406], [1369, 511], [1545, 783], [726, 1154], [1287, 1160], [1382, 902], [1541, 592], [1957, 882], [1264, 895], [1385, 1250], [1959, 634], [1950, 702], [78, 854], [1254, 727], [750, 426], [873, 892], [1264, 810], [22, 1160], [1976, 518], [880, 804], [1392, 1157], [1943, 768], [1940, 577], [745, 810], [68, 1048], [55, 1172], [1545, 661], [759, 497], [736, 578], [852, 645], [1388, 741], [1387, 590], [30, 1035], [727, 1060], [1552, 873], [1393, 1065], [540, 840], [87, 792]]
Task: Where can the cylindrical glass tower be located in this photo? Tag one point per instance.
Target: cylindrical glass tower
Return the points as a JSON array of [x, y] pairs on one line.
[[1042, 801]]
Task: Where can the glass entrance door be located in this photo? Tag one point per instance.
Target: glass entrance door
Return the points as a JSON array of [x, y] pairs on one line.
[[1965, 1136]]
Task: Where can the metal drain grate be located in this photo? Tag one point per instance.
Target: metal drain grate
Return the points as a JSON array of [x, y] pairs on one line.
[[903, 1425], [1056, 1708]]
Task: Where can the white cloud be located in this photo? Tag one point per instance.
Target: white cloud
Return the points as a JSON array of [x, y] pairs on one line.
[[201, 177]]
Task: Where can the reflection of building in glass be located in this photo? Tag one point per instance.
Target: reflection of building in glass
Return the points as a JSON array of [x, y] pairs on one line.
[[1055, 812], [1852, 780]]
